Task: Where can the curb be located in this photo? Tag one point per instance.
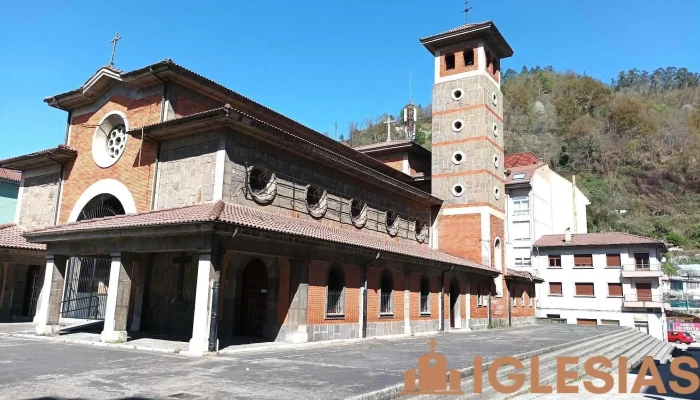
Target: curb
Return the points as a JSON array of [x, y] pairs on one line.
[[92, 343]]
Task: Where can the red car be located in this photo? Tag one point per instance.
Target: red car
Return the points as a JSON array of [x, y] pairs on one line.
[[680, 337]]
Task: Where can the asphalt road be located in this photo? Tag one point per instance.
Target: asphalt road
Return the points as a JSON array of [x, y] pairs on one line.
[[43, 369]]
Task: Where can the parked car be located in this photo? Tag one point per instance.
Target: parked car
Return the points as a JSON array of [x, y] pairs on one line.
[[680, 337]]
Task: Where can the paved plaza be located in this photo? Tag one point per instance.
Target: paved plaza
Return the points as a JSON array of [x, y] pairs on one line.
[[33, 368]]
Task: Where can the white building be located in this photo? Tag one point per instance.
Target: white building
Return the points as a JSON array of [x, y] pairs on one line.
[[538, 202], [603, 279]]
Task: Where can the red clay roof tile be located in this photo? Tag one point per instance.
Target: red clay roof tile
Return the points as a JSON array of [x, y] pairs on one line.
[[11, 237], [595, 239]]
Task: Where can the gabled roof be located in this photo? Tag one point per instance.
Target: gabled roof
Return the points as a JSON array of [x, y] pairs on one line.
[[461, 33], [521, 159], [10, 175], [392, 146], [238, 215], [11, 238], [596, 239], [521, 175], [513, 274], [60, 154]]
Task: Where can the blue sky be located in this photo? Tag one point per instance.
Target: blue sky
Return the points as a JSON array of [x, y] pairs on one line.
[[316, 61]]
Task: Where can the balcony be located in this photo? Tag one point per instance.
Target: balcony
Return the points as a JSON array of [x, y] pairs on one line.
[[642, 270], [644, 301]]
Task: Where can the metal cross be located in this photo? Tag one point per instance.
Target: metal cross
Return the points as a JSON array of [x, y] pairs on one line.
[[114, 48], [432, 343], [388, 123], [466, 11]]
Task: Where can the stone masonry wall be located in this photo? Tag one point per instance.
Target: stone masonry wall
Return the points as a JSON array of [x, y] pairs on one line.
[[39, 198], [187, 169], [294, 174], [169, 309]]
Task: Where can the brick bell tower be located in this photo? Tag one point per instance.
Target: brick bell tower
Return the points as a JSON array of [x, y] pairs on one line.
[[467, 145]]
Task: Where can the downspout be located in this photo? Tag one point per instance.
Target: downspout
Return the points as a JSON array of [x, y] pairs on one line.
[[364, 294], [442, 297], [60, 189]]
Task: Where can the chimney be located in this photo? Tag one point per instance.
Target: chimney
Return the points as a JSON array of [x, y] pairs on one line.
[[567, 235]]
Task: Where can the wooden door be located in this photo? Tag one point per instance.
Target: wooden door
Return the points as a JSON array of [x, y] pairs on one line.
[[643, 291], [253, 299]]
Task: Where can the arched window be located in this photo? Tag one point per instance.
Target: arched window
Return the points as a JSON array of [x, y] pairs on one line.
[[522, 299], [335, 293], [424, 295], [529, 296], [468, 57], [386, 294], [497, 254], [489, 66]]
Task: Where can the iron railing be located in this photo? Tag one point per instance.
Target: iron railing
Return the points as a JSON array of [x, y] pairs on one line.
[[385, 305], [334, 303], [424, 308], [644, 298], [641, 267]]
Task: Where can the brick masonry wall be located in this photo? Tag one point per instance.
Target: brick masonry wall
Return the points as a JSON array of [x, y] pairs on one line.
[[318, 275], [522, 308], [395, 161], [39, 198], [133, 171], [460, 66], [186, 106], [187, 169], [294, 174], [460, 235]]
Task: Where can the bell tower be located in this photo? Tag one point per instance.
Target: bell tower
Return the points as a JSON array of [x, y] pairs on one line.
[[467, 145]]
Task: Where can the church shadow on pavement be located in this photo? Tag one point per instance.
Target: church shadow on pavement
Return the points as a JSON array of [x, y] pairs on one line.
[[666, 377]]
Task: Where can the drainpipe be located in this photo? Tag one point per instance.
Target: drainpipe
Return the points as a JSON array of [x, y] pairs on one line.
[[364, 294], [442, 297], [60, 188]]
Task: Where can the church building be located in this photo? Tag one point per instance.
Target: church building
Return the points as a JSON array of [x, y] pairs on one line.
[[176, 205]]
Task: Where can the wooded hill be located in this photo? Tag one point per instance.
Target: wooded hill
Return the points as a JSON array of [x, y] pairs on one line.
[[634, 144]]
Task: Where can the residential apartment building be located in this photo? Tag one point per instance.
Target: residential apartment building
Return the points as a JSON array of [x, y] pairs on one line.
[[602, 279], [9, 187], [538, 202]]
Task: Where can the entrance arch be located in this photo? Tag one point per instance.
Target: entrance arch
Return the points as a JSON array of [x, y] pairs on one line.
[[253, 298], [454, 304], [104, 187]]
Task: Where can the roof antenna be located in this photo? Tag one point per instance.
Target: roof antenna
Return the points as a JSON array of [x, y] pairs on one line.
[[466, 11], [114, 48]]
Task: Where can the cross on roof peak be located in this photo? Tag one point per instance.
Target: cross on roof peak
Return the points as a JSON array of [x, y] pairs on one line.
[[114, 48]]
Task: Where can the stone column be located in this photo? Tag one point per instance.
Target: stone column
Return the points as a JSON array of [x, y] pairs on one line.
[[407, 304], [140, 277], [206, 276], [467, 302], [118, 294], [296, 317], [42, 293], [49, 312]]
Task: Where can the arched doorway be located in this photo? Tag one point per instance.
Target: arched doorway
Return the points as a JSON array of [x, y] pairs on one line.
[[253, 299], [454, 303], [87, 278]]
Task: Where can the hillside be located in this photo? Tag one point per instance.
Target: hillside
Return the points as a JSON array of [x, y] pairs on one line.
[[634, 144]]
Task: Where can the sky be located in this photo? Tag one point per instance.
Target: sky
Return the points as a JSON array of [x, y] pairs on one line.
[[319, 62]]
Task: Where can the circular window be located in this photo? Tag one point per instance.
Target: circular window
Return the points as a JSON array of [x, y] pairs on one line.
[[262, 184], [457, 94], [316, 201], [495, 129], [421, 228], [392, 222], [458, 157], [494, 98], [457, 125], [358, 212], [496, 193], [458, 189], [495, 160], [109, 139]]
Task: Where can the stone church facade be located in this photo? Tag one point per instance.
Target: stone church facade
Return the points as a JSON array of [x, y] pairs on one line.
[[176, 205]]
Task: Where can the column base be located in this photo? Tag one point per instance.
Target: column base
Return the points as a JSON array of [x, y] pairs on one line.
[[113, 336], [297, 337], [47, 330], [198, 347]]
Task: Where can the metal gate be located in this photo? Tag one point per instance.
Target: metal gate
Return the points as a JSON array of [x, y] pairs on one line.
[[85, 295], [33, 290]]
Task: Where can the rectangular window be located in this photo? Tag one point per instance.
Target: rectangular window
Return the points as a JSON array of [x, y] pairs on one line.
[[555, 288], [557, 316], [614, 289], [678, 285], [583, 321], [468, 57], [610, 322], [521, 230], [613, 260], [523, 262], [521, 205], [583, 260], [584, 289], [449, 61], [641, 261], [554, 261], [691, 285]]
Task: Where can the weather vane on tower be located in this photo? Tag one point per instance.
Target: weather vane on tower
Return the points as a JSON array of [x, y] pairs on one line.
[[114, 48], [466, 11]]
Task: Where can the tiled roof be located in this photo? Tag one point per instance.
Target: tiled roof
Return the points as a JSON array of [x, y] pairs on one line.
[[10, 175], [465, 27], [40, 153], [381, 145], [11, 237], [59, 153], [595, 239], [515, 274], [520, 159], [248, 217], [524, 174]]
